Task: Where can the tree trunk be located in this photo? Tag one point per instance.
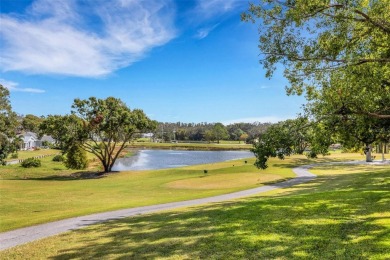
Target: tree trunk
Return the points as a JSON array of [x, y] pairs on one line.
[[368, 152], [105, 167], [383, 152]]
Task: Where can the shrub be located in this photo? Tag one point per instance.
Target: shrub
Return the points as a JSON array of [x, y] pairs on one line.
[[14, 156], [58, 158], [31, 162], [76, 158]]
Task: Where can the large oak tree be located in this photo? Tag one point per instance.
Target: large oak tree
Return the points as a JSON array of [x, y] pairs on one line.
[[337, 53], [102, 127]]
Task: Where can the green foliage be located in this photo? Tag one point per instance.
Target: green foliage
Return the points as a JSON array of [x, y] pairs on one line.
[[7, 125], [5, 148], [31, 162], [243, 137], [291, 137], [63, 129], [209, 136], [338, 54], [76, 158], [58, 158], [342, 46], [14, 156], [31, 123], [107, 125], [219, 132]]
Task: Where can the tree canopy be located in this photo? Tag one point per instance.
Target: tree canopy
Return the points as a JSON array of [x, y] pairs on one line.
[[293, 136], [344, 45], [102, 127], [337, 53], [8, 124], [31, 123]]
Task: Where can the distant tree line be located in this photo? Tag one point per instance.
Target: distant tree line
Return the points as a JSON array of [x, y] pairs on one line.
[[209, 132]]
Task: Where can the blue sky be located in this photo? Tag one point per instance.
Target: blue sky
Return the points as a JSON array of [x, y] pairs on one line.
[[188, 61]]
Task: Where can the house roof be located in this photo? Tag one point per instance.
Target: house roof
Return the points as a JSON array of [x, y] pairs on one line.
[[27, 138], [48, 138], [31, 136]]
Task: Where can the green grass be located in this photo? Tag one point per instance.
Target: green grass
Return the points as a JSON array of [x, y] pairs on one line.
[[33, 153], [343, 214], [52, 192]]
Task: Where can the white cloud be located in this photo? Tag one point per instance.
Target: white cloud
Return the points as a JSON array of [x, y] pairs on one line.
[[204, 32], [62, 37], [211, 8], [264, 119], [13, 86]]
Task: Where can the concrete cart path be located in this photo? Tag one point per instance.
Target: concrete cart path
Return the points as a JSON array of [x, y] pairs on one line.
[[28, 234]]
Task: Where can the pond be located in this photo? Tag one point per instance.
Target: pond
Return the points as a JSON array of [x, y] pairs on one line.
[[161, 159]]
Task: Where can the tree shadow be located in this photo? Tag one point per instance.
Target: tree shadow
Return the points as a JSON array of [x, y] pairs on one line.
[[332, 217], [81, 175], [295, 162]]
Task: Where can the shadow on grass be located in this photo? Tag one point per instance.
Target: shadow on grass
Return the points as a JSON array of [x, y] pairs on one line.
[[305, 161], [82, 175], [332, 217]]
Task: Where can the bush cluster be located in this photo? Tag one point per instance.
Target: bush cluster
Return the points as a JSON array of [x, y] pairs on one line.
[[31, 162], [58, 158], [76, 158]]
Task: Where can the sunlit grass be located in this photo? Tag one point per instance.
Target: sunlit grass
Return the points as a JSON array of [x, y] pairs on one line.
[[52, 192], [343, 214], [33, 153]]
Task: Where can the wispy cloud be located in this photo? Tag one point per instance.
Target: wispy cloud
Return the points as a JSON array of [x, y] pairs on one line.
[[204, 32], [264, 119], [13, 86], [62, 37], [211, 8]]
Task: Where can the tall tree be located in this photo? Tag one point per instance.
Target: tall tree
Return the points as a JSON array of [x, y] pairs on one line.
[[219, 132], [102, 127], [63, 129], [289, 137], [8, 124], [31, 123], [319, 40], [107, 126]]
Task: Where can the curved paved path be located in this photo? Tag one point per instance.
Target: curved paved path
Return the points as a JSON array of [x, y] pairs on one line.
[[28, 234]]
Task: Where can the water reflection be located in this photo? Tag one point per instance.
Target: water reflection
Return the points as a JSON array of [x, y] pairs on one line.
[[160, 159]]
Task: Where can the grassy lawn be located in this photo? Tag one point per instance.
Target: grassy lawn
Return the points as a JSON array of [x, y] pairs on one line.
[[343, 214], [52, 192], [33, 153]]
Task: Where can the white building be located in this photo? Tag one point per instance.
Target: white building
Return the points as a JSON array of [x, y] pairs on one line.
[[31, 141]]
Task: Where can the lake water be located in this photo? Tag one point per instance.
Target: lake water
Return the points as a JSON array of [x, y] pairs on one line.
[[160, 159]]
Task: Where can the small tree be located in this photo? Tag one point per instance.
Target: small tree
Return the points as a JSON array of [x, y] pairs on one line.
[[209, 136], [219, 132], [291, 137], [76, 158], [243, 137]]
